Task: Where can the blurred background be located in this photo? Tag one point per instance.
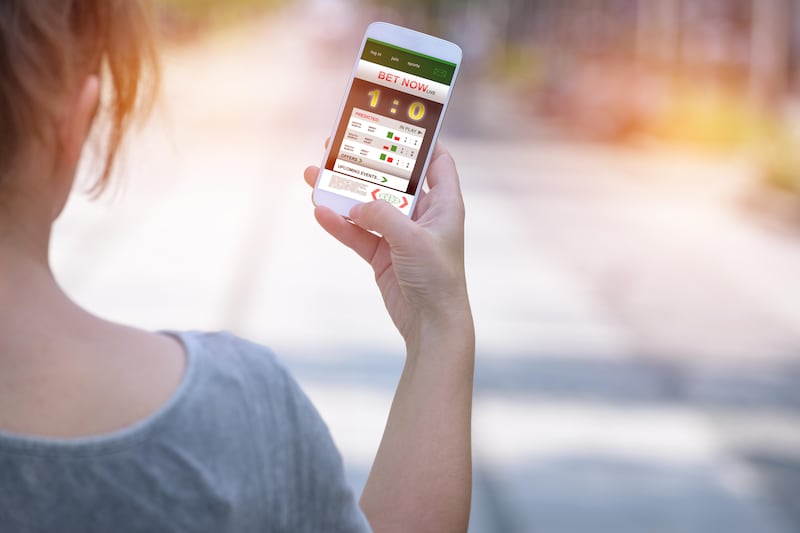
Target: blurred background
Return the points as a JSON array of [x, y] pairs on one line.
[[631, 171]]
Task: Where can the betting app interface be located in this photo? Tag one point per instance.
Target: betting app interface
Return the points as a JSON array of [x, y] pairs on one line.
[[387, 126]]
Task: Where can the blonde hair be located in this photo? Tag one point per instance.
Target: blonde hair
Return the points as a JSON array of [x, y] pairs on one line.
[[48, 46]]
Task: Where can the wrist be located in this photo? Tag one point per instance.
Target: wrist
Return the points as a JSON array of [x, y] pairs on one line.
[[448, 328]]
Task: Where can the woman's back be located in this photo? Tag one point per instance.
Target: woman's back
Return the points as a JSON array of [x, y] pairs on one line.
[[237, 447], [68, 374]]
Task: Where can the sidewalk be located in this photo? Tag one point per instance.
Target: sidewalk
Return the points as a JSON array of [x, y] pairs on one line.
[[638, 334]]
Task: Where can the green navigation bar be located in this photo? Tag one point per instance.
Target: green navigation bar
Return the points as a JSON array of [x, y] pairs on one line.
[[407, 61]]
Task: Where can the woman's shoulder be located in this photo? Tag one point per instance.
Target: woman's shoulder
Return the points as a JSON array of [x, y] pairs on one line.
[[240, 370], [223, 351], [224, 343], [240, 385]]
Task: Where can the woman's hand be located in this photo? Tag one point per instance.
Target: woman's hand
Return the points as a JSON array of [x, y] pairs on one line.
[[419, 263]]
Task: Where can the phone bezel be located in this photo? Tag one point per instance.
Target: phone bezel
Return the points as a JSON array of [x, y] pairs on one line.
[[404, 38]]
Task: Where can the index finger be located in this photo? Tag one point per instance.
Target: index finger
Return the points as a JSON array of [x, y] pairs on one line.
[[310, 175]]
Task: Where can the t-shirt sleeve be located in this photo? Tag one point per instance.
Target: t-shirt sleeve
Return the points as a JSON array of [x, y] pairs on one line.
[[318, 471], [302, 460]]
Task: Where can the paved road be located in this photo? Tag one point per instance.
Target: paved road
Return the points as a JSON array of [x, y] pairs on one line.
[[638, 330]]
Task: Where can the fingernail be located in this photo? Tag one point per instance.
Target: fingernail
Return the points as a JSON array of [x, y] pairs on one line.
[[355, 212]]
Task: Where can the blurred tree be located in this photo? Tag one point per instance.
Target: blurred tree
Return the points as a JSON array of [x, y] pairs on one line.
[[186, 19], [770, 50], [658, 31]]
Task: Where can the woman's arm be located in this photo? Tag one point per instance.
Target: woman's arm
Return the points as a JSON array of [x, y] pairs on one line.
[[421, 478]]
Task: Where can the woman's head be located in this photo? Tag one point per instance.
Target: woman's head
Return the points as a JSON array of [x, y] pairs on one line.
[[48, 50]]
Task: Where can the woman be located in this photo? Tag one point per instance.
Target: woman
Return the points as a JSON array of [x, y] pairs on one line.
[[105, 427]]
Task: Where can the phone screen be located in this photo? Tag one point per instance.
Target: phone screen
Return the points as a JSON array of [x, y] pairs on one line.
[[388, 125]]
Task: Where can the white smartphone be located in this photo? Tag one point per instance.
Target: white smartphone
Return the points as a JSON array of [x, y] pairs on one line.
[[389, 119]]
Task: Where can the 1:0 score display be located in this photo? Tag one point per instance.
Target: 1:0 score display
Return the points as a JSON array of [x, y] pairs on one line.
[[415, 111]]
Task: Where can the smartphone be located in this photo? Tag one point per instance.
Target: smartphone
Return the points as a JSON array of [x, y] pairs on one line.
[[389, 119]]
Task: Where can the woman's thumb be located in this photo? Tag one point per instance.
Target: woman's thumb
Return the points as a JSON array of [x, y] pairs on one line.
[[381, 217]]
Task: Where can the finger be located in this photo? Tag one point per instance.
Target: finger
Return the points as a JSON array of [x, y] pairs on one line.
[[398, 230], [310, 175], [360, 241], [442, 170], [327, 142]]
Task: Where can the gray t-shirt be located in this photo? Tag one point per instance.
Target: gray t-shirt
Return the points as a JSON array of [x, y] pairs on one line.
[[238, 448]]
